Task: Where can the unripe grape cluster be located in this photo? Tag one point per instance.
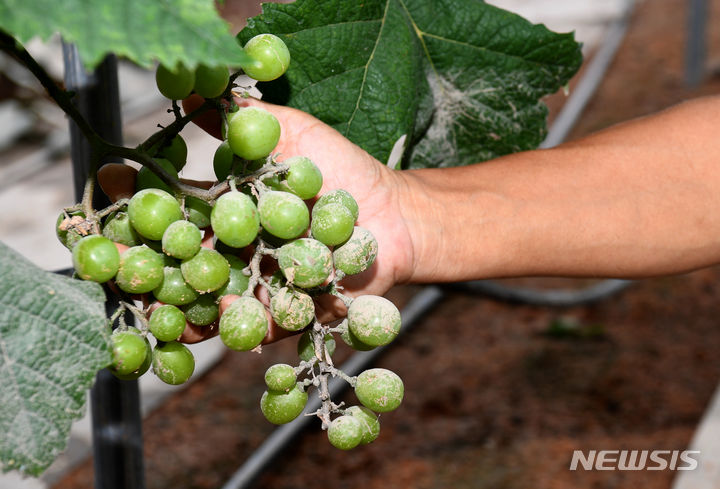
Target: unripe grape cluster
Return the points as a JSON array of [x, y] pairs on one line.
[[259, 250]]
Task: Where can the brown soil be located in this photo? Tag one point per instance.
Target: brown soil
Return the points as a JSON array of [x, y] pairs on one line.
[[492, 398]]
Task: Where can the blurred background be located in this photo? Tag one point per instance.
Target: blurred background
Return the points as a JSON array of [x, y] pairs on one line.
[[498, 395]]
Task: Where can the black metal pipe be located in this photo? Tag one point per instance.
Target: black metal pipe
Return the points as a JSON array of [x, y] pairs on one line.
[[115, 404], [695, 50]]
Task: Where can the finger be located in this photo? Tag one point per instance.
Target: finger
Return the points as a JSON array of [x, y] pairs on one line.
[[209, 121], [192, 332], [117, 180], [275, 332], [195, 334]]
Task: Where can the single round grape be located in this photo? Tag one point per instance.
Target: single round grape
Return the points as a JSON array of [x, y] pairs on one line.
[[235, 219], [283, 214], [306, 347], [379, 389], [174, 289], [353, 342], [283, 407], [244, 324], [138, 372], [203, 311], [374, 320], [67, 235], [223, 161], [303, 178], [339, 196], [151, 211], [280, 378], [207, 271], [368, 420], [292, 310], [332, 224], [270, 57], [146, 178], [345, 432], [167, 323], [140, 271], [181, 240], [198, 211], [357, 254], [173, 362], [175, 151], [175, 84], [95, 258], [238, 282], [305, 262], [253, 133], [211, 81], [117, 228], [129, 352]]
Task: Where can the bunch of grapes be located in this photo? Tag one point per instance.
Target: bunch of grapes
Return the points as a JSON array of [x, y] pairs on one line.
[[260, 253]]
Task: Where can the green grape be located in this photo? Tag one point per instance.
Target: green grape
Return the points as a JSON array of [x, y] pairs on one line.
[[167, 323], [151, 211], [174, 289], [175, 84], [235, 219], [292, 309], [198, 211], [280, 378], [253, 133], [173, 363], [283, 407], [181, 240], [345, 432], [118, 229], [207, 271], [147, 179], [211, 82], [238, 282], [203, 311], [353, 342], [369, 422], [303, 177], [379, 389], [357, 254], [223, 161], [129, 352], [69, 236], [283, 214], [176, 152], [332, 224], [339, 196], [374, 320], [270, 55], [137, 373], [305, 262], [244, 324], [306, 347], [95, 258], [141, 270]]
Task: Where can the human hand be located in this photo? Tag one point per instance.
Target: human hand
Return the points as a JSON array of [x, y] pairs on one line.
[[344, 165]]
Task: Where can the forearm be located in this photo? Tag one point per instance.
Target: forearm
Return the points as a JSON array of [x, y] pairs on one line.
[[639, 199]]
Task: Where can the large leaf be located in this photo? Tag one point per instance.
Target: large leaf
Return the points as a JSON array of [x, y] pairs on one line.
[[461, 78], [54, 337], [169, 31]]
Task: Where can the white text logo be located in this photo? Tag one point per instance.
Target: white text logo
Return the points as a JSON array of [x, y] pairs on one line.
[[635, 459]]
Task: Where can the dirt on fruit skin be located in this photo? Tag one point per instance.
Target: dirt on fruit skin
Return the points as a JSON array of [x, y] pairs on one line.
[[496, 395]]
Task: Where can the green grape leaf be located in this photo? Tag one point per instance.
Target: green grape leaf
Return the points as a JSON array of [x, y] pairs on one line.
[[168, 31], [461, 79], [54, 337]]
